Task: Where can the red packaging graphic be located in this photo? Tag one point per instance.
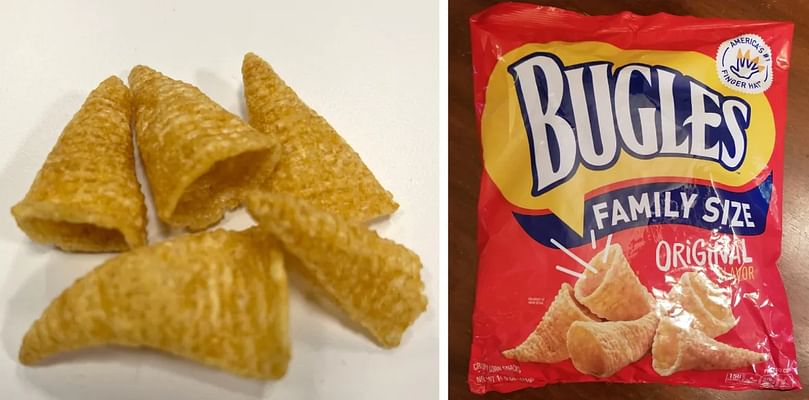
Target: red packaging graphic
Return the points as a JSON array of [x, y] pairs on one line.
[[629, 221]]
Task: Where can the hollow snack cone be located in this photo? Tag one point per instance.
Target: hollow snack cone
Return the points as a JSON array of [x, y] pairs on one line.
[[317, 164], [86, 197], [199, 158], [602, 348], [547, 343], [375, 281], [697, 299], [615, 293], [678, 348], [218, 298]]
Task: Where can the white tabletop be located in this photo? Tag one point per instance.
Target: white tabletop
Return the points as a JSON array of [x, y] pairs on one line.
[[369, 67]]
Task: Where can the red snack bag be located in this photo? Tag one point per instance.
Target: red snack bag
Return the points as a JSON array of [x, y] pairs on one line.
[[630, 204]]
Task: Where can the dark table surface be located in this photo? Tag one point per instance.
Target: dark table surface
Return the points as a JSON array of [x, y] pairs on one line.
[[465, 168]]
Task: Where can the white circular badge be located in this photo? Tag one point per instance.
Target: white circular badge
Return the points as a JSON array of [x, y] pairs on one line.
[[744, 63]]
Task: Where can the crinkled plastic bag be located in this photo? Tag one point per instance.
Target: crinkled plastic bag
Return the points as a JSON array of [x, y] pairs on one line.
[[630, 204]]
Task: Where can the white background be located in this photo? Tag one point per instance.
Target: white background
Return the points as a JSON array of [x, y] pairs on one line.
[[369, 67]]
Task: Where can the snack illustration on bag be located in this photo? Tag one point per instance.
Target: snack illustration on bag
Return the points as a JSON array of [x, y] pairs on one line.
[[548, 342], [603, 348], [614, 292], [630, 200], [679, 349], [570, 328], [704, 305]]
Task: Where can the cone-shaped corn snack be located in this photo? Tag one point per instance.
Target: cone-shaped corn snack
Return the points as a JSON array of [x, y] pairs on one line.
[[375, 281], [547, 343], [218, 298], [698, 300], [602, 348], [86, 197], [199, 158], [317, 165], [677, 348], [614, 293]]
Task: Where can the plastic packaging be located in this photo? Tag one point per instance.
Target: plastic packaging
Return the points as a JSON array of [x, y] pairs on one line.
[[630, 205]]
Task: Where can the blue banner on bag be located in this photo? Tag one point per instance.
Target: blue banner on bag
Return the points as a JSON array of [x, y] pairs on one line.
[[703, 206]]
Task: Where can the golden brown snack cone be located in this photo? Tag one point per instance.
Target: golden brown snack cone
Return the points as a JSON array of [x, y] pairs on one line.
[[677, 348], [199, 158], [697, 299], [218, 298], [547, 343], [317, 164], [86, 197], [602, 348], [614, 293], [376, 281]]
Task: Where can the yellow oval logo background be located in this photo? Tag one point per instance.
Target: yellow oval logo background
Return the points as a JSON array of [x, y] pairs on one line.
[[506, 156]]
